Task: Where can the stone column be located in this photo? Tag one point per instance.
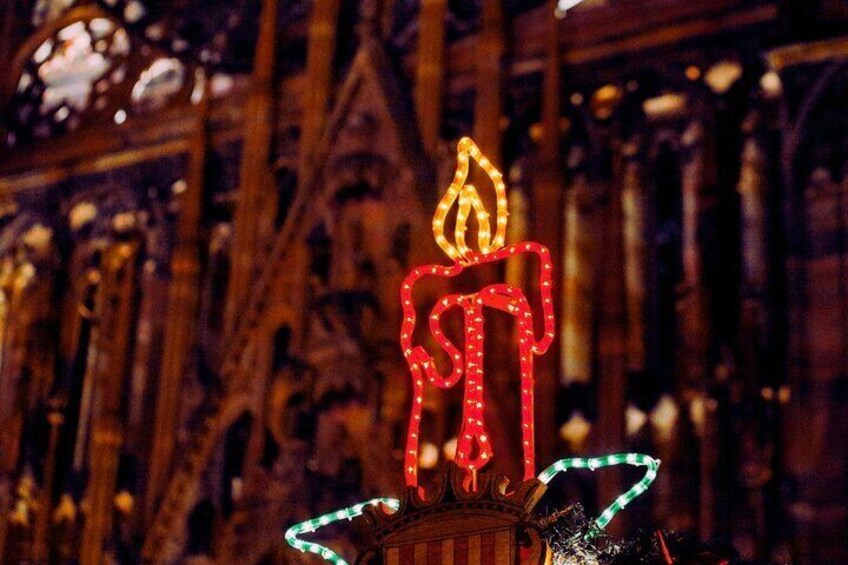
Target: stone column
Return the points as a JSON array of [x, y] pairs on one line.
[[578, 276], [693, 322], [7, 36], [816, 452], [518, 227], [548, 184], [612, 334], [181, 319], [430, 72], [752, 188], [41, 549], [15, 320], [16, 327], [758, 362], [116, 311], [319, 67], [710, 454], [488, 104], [634, 233], [692, 357], [255, 210]]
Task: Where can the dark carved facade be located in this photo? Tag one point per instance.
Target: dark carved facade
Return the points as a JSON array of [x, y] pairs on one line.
[[206, 211]]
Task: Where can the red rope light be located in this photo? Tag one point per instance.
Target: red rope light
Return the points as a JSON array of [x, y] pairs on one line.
[[474, 449]]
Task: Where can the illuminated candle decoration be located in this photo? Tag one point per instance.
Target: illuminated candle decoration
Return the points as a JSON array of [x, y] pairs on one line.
[[473, 450], [314, 524], [593, 463], [473, 445]]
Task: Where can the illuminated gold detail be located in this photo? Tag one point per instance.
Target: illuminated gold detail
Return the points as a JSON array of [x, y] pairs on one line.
[[470, 199]]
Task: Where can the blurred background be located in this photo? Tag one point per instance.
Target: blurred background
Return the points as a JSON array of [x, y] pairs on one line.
[[207, 209]]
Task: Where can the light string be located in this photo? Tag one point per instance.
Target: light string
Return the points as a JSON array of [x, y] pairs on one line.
[[546, 476], [469, 198], [313, 525], [593, 463]]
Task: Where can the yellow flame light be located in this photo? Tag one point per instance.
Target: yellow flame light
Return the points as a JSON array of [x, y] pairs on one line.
[[470, 199]]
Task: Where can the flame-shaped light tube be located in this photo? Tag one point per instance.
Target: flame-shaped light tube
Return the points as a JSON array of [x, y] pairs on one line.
[[469, 198]]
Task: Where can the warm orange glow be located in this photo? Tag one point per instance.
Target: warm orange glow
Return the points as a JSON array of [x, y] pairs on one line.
[[470, 199]]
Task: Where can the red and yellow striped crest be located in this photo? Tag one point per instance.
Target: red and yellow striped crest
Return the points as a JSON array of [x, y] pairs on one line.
[[489, 525], [490, 548]]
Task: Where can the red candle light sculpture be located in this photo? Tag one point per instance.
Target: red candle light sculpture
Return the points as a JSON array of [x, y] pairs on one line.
[[474, 446], [474, 449]]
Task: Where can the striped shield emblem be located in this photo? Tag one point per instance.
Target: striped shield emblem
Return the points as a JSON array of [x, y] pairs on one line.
[[488, 548]]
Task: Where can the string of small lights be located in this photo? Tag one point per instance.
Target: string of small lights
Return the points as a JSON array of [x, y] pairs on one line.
[[310, 526], [593, 463], [469, 198], [546, 476]]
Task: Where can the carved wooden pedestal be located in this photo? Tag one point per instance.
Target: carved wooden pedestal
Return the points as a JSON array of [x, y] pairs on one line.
[[491, 525]]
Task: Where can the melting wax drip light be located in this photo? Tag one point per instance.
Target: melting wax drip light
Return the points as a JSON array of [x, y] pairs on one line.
[[503, 297]]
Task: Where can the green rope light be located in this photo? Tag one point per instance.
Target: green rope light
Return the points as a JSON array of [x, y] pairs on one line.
[[314, 524], [546, 476], [593, 463]]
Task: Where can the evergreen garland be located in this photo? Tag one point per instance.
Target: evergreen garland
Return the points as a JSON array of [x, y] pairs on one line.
[[568, 534]]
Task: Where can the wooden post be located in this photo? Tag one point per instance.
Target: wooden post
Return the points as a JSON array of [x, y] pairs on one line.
[[319, 67], [115, 308], [547, 223], [255, 213], [430, 73], [181, 318]]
